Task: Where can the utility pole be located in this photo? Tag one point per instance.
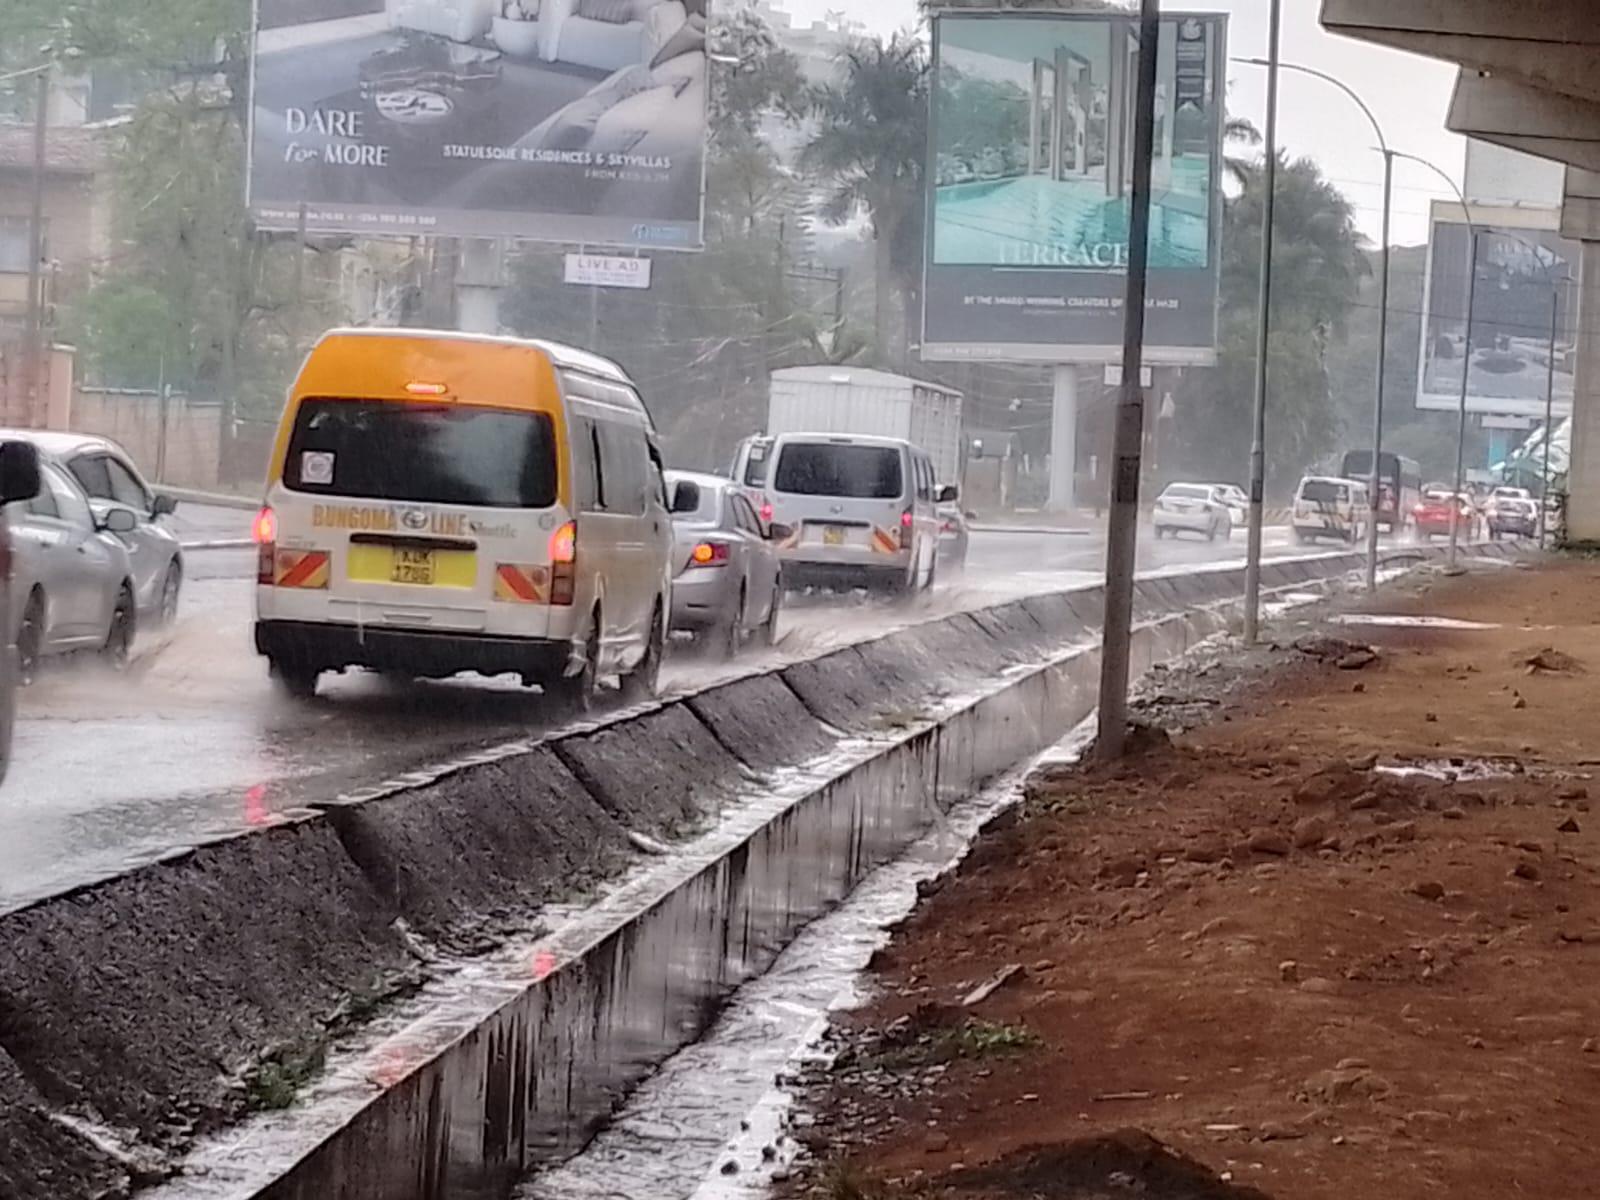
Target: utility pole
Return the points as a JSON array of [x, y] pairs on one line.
[[34, 352], [1258, 437], [1122, 536]]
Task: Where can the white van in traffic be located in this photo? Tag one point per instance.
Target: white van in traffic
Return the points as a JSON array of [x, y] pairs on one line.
[[1329, 507], [860, 511], [442, 502]]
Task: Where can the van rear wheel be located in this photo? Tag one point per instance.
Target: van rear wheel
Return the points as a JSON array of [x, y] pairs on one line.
[[577, 692], [644, 681]]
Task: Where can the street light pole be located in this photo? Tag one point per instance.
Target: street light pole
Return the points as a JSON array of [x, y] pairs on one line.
[[1383, 302], [1122, 534], [1258, 435], [1549, 411], [1461, 416], [1466, 365]]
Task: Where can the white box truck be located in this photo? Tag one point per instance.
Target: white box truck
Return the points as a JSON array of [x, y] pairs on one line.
[[858, 400]]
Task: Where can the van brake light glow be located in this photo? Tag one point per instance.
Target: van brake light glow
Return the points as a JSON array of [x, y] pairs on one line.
[[563, 559], [264, 529]]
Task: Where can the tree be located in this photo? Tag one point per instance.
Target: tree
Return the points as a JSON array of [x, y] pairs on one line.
[[1318, 266], [867, 155]]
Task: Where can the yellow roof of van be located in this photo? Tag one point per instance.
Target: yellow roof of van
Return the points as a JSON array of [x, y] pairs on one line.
[[472, 368]]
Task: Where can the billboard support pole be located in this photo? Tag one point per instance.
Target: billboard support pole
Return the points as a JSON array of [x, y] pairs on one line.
[[1063, 439], [1122, 538], [1258, 437], [1549, 412]]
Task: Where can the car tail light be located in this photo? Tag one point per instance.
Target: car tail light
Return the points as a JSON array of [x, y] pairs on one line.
[[264, 531], [564, 564], [709, 554]]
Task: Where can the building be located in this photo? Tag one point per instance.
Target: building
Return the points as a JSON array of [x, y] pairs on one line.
[[77, 213], [1528, 82]]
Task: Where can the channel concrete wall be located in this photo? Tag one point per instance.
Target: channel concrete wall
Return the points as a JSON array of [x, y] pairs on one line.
[[148, 1003]]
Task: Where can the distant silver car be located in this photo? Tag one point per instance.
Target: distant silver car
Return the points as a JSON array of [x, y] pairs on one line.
[[107, 474], [1192, 508], [727, 579], [71, 575]]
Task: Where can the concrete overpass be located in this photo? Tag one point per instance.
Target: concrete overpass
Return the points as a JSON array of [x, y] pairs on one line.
[[1530, 80]]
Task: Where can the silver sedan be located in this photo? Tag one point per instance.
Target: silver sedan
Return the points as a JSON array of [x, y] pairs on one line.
[[107, 475], [726, 585], [72, 583]]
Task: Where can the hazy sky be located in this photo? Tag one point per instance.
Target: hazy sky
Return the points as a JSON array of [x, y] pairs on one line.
[[1409, 95]]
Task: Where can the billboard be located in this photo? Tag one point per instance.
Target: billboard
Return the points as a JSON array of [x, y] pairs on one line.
[[495, 118], [1030, 167], [1522, 271]]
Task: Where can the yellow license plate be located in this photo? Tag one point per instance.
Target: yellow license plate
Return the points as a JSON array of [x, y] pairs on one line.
[[412, 566], [833, 535]]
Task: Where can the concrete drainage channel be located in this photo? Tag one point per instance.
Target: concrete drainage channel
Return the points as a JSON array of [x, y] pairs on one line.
[[128, 1010]]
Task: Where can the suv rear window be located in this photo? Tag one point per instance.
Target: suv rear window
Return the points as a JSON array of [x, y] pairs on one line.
[[835, 469], [430, 454], [1321, 491]]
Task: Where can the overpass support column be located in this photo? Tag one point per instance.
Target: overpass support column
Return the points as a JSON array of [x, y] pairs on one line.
[[1583, 477]]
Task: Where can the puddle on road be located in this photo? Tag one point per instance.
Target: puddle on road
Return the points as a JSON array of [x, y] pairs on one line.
[[712, 1123], [1398, 621], [1453, 770]]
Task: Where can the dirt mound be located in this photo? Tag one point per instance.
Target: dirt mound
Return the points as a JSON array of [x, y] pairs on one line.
[[1128, 1162]]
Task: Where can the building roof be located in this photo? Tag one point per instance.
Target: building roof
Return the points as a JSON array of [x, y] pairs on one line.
[[69, 149]]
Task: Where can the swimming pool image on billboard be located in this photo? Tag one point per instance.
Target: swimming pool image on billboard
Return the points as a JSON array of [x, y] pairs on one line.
[[1032, 153]]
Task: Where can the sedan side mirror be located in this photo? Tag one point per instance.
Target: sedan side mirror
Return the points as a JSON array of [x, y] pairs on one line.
[[163, 505], [949, 494], [120, 520], [779, 533], [19, 472]]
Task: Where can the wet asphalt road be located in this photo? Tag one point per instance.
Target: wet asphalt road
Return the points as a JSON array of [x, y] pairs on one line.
[[193, 743]]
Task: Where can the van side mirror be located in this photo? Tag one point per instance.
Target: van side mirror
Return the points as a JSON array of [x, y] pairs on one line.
[[949, 494], [685, 497], [163, 505], [19, 472], [779, 533]]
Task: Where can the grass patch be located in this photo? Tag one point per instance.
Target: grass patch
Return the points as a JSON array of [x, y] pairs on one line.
[[972, 1040], [273, 1084], [842, 1181]]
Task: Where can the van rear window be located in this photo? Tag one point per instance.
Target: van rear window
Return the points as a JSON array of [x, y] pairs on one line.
[[1321, 491], [829, 469], [430, 454]]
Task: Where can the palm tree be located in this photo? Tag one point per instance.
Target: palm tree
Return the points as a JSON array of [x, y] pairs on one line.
[[867, 155]]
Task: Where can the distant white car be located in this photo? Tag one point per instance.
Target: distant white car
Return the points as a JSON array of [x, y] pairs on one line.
[[1192, 508], [1237, 502]]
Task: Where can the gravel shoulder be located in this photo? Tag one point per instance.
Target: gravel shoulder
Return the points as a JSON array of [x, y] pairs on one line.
[[1337, 936]]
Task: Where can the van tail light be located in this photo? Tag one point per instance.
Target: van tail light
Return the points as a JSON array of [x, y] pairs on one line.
[[766, 511], [906, 521], [564, 564], [710, 554], [264, 532]]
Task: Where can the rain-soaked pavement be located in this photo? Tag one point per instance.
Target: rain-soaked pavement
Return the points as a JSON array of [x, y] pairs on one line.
[[193, 743]]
